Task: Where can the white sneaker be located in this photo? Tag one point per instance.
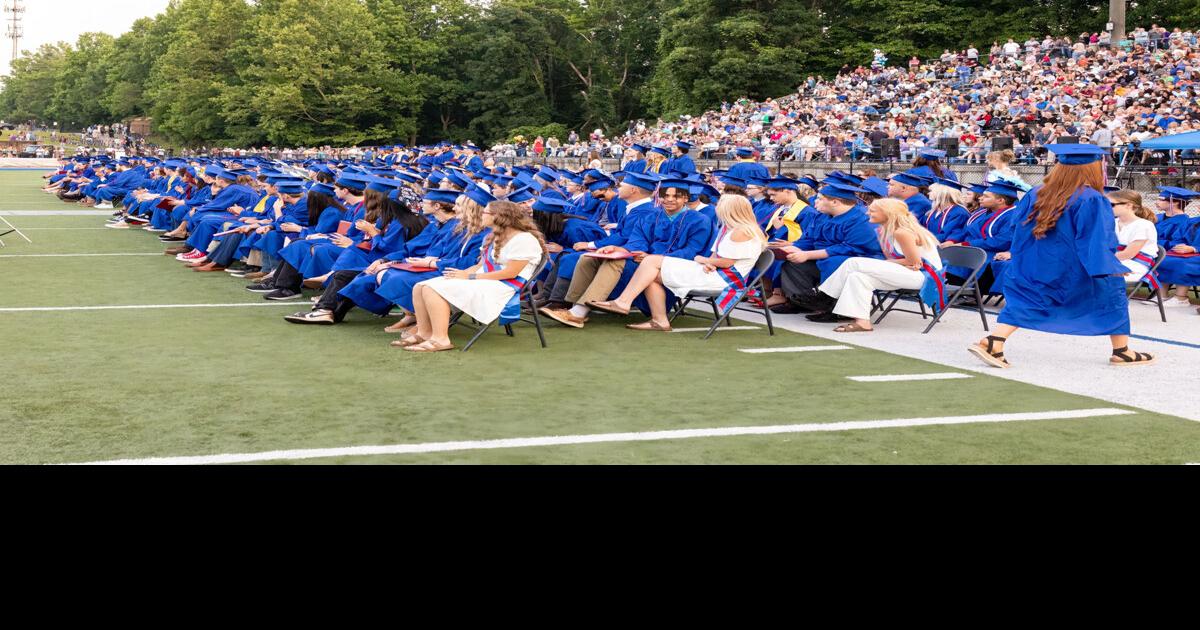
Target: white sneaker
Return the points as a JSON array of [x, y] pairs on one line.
[[119, 225], [154, 229], [1177, 302], [103, 206]]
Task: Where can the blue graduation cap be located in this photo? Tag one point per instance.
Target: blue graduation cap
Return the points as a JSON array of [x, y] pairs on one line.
[[841, 191], [1177, 194], [602, 183], [353, 181], [661, 151], [684, 146], [639, 148], [520, 195], [677, 183], [645, 181], [574, 178], [1077, 154], [457, 180], [978, 189], [931, 154], [411, 178], [502, 180], [704, 189], [745, 152], [875, 186], [552, 205], [593, 173], [950, 183], [1003, 188], [783, 183], [290, 188], [910, 180], [478, 195], [548, 174], [436, 178], [1108, 190], [324, 189], [384, 185], [730, 180], [440, 196]]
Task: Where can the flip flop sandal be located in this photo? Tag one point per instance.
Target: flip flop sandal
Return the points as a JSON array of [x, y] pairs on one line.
[[410, 340], [650, 326], [1121, 358], [852, 328], [607, 307], [429, 346], [994, 359]]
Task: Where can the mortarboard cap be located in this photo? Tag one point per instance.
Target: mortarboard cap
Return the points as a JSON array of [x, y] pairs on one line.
[[1076, 154]]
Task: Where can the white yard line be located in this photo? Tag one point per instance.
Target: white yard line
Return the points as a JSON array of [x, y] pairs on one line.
[[29, 229], [646, 436], [56, 213], [37, 309], [75, 255], [795, 349], [691, 330], [909, 377]]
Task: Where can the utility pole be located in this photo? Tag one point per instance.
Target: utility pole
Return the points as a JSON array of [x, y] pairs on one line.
[[16, 8], [1116, 15]]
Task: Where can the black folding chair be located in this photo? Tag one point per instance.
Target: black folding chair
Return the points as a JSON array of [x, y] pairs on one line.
[[1145, 282], [971, 258], [527, 308], [753, 283]]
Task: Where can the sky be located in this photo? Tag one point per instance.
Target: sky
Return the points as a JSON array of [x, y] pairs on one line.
[[49, 21]]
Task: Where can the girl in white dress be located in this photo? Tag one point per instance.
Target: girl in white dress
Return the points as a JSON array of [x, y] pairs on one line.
[[510, 256], [908, 247], [1136, 234], [739, 243]]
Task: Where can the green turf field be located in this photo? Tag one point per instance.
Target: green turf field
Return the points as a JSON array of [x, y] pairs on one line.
[[110, 384]]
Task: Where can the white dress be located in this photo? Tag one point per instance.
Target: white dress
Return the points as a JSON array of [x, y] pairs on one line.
[[682, 276], [484, 300], [1138, 230]]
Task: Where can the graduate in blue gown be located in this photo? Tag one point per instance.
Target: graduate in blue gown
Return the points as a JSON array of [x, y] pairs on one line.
[[992, 232], [947, 217], [747, 167], [1065, 277], [909, 187], [638, 163], [1179, 235], [934, 159], [681, 162]]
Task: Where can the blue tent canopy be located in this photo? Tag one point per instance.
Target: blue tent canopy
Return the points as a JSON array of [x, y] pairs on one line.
[[1189, 140]]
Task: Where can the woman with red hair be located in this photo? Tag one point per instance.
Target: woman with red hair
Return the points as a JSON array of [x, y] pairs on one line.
[[1065, 276]]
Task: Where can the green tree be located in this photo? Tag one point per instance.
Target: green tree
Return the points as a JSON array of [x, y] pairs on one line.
[[29, 89]]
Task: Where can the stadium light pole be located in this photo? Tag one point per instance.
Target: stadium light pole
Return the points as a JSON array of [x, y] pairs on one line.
[[1116, 15]]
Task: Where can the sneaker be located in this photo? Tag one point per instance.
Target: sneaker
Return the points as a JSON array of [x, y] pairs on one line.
[[156, 230], [279, 295], [103, 206], [134, 220], [1177, 302], [171, 239], [262, 287], [321, 317], [237, 266], [256, 275], [119, 225]]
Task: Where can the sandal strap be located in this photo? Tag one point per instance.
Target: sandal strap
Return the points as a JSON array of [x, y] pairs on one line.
[[1118, 351]]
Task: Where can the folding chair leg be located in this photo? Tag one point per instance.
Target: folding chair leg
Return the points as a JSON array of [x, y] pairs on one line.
[[1162, 312], [682, 306], [888, 309], [766, 310], [979, 306], [716, 324], [478, 333], [537, 323]]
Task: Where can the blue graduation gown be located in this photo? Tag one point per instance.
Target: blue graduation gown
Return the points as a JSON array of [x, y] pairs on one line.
[[682, 164], [1069, 282], [626, 225], [362, 290], [946, 225], [1172, 230], [453, 251], [1179, 270], [919, 205], [993, 233], [636, 166], [849, 235], [749, 169], [687, 236]]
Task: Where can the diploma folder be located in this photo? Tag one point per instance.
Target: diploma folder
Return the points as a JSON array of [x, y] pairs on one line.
[[412, 268], [613, 256]]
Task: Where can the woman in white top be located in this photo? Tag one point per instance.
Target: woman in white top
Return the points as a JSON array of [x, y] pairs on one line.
[[511, 254], [739, 243], [908, 246], [1136, 233], [1001, 169]]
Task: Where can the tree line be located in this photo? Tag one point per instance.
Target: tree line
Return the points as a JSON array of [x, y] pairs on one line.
[[345, 72]]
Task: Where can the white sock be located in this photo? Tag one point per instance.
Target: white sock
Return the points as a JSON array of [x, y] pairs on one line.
[[580, 310]]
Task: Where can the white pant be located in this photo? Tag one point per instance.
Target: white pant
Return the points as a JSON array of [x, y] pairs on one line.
[[857, 279], [1137, 269]]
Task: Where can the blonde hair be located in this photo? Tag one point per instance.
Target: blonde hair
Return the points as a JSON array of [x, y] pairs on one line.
[[943, 197], [899, 217], [735, 213], [1134, 198], [654, 161], [1001, 158], [470, 216]]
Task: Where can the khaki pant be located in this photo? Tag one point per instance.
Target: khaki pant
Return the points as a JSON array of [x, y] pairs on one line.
[[594, 280]]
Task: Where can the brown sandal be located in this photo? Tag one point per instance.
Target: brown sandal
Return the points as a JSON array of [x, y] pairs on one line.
[[1122, 358], [649, 326], [994, 359], [608, 306], [408, 340], [430, 346], [399, 327], [852, 328]]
